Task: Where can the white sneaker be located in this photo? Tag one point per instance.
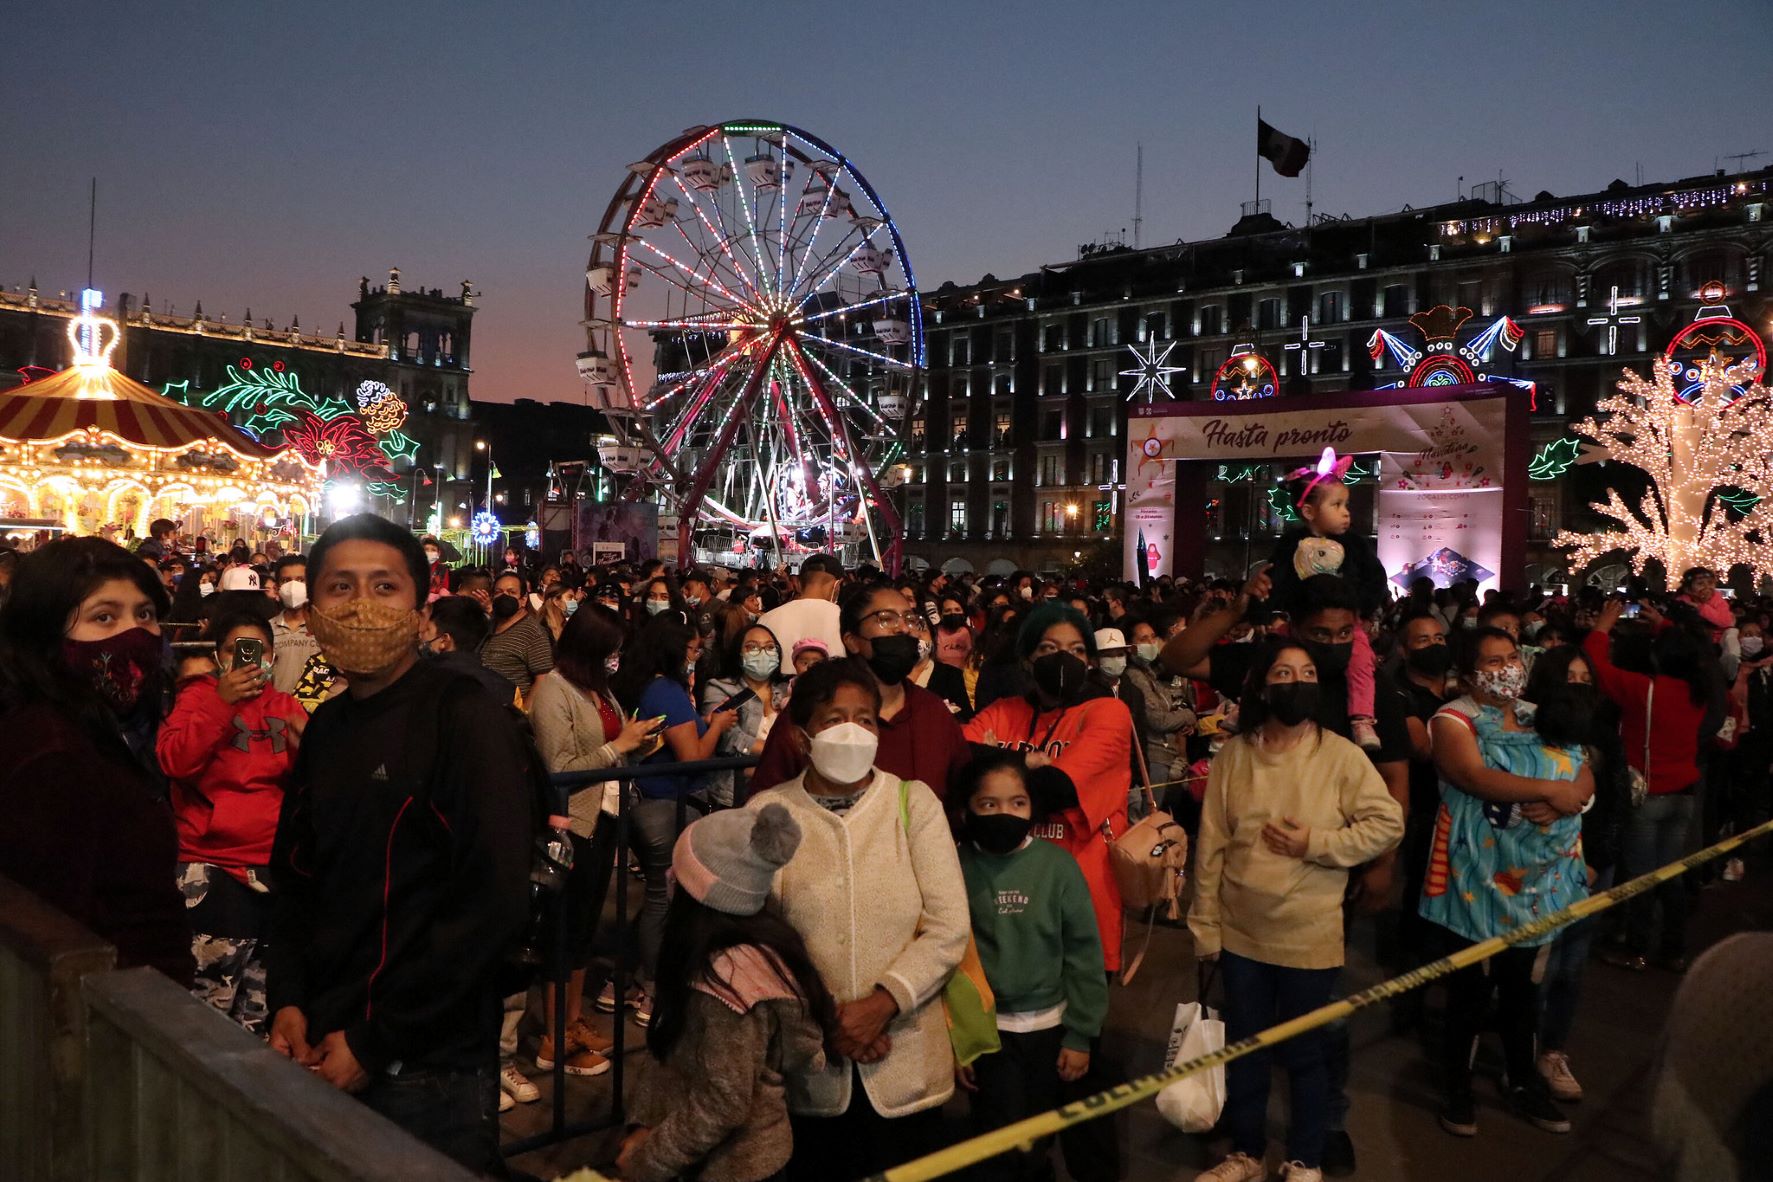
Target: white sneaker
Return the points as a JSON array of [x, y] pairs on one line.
[[1239, 1167], [515, 1086], [506, 1103], [1554, 1068], [1733, 870], [1294, 1171]]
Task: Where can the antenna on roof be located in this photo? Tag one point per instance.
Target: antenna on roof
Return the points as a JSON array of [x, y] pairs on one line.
[[1738, 157], [1138, 196]]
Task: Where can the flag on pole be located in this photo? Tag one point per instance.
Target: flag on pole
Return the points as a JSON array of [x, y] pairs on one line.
[[1287, 154]]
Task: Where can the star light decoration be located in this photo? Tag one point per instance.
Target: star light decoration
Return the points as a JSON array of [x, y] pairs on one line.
[[1152, 372], [1709, 470]]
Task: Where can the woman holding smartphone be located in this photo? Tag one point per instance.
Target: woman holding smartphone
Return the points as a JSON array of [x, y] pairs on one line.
[[227, 749], [755, 692]]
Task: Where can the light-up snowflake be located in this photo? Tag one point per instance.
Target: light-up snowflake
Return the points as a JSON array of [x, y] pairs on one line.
[[1152, 372]]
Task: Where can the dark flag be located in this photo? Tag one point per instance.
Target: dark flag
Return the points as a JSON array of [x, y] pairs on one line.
[[1287, 154]]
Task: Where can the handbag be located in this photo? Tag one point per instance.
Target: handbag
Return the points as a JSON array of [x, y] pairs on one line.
[[1640, 781], [967, 1001], [1150, 865], [1195, 1104]]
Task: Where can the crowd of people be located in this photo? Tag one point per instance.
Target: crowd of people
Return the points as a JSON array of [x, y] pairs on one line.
[[323, 783]]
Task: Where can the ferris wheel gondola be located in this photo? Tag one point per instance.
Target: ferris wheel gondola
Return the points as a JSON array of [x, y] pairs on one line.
[[754, 331]]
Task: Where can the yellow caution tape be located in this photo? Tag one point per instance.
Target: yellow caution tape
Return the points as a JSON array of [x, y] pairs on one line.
[[1023, 1133]]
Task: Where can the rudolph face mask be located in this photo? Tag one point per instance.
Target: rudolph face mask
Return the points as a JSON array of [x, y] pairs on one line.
[[365, 638]]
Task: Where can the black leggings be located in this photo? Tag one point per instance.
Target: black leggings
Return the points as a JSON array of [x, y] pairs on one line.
[[1509, 975]]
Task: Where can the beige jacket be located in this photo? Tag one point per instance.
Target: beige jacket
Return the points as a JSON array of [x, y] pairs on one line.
[[877, 906], [569, 734], [1267, 906]]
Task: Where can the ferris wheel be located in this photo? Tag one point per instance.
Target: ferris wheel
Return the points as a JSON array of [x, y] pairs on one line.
[[755, 337]]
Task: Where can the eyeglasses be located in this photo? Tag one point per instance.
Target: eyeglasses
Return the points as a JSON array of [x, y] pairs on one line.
[[891, 621], [760, 648]]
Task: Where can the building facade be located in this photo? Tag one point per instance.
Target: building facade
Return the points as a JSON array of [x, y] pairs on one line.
[[1015, 455], [389, 401]]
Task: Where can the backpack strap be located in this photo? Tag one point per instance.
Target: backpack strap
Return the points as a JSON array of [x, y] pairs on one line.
[[905, 806]]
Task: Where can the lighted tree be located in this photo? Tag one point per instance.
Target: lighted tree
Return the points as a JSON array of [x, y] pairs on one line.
[[1701, 457]]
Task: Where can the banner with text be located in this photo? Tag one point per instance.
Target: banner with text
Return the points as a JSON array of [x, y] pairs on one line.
[[1441, 470]]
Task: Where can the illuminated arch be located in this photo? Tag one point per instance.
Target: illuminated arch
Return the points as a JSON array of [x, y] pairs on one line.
[[1440, 369]]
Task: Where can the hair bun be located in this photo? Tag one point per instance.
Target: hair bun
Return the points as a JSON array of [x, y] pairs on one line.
[[775, 835]]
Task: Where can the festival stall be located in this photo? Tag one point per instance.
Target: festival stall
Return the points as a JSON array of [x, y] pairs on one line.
[[98, 453]]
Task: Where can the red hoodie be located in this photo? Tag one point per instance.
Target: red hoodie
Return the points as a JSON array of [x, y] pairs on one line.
[[228, 766]]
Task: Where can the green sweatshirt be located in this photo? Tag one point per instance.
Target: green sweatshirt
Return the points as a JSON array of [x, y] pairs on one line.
[[1037, 937]]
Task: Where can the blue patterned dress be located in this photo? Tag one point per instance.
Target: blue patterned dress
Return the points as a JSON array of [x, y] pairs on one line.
[[1490, 870]]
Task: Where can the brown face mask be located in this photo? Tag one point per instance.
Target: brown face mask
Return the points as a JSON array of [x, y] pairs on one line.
[[365, 638]]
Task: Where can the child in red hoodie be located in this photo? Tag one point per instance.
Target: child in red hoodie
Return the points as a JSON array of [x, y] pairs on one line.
[[228, 748]]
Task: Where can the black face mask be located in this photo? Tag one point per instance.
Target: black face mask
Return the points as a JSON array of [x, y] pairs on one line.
[[1060, 676], [894, 657], [1432, 661], [1331, 659], [953, 623], [996, 833], [1291, 703], [505, 606]]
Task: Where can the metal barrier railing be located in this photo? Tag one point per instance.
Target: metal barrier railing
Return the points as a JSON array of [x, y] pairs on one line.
[[559, 971]]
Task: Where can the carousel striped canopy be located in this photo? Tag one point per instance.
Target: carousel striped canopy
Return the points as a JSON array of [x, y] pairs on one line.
[[83, 397]]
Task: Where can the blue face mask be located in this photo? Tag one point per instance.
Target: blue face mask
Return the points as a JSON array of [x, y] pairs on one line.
[[570, 606], [655, 606]]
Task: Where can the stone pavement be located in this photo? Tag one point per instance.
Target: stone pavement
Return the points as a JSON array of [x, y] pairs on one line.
[[1394, 1098]]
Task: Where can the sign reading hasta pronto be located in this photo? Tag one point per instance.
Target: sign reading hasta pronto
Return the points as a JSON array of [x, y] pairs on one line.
[[1447, 472]]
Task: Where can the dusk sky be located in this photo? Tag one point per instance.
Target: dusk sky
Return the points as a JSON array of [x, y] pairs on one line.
[[267, 155]]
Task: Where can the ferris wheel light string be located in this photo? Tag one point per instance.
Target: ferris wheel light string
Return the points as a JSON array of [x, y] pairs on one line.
[[887, 298], [745, 205], [719, 236], [693, 274], [833, 273], [702, 251], [854, 397], [725, 236], [818, 222], [825, 272], [880, 357]]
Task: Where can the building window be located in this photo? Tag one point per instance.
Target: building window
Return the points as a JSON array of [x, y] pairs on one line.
[[1156, 326], [1049, 517], [959, 349], [1050, 468], [1000, 468], [1268, 314], [1004, 349], [1542, 516], [1000, 519], [1099, 467], [1396, 301], [1052, 426], [961, 387], [1212, 320], [917, 432], [1547, 289], [1331, 308], [1001, 427], [958, 424], [957, 516], [914, 519], [1052, 379], [1104, 517], [1003, 385], [1102, 332], [1053, 338], [1545, 343], [1102, 373], [957, 473], [1101, 422]]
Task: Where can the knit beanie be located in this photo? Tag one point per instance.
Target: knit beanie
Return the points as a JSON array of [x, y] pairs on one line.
[[727, 859]]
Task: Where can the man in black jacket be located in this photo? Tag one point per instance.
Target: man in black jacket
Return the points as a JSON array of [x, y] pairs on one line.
[[401, 862]]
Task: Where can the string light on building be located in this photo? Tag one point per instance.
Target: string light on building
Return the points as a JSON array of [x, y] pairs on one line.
[[1696, 452]]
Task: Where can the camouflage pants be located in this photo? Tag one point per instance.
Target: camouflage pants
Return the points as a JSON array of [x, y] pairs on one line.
[[227, 920]]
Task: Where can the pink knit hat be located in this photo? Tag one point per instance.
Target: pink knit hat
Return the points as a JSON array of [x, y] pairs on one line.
[[727, 859]]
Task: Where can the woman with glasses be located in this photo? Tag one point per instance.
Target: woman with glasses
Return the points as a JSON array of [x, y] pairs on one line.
[[755, 691], [919, 738]]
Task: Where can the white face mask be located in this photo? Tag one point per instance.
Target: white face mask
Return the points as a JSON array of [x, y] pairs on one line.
[[655, 606], [292, 594], [206, 590], [1752, 645], [1112, 666], [844, 753], [1149, 650]]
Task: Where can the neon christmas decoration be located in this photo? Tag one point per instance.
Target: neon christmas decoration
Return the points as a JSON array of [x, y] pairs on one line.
[[1713, 335], [1554, 459], [1246, 374], [341, 444], [1612, 322], [1705, 457], [1441, 359], [269, 397], [381, 409], [1152, 371], [484, 528], [754, 334]]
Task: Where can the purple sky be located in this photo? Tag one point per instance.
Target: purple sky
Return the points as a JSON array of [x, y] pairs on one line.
[[267, 155]]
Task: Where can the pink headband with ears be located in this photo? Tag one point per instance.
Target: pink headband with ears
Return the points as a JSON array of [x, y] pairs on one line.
[[1328, 468]]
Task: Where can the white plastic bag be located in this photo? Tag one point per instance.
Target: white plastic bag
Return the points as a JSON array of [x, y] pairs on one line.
[[1194, 1104]]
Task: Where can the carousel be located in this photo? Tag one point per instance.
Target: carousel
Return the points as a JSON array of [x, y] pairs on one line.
[[90, 451]]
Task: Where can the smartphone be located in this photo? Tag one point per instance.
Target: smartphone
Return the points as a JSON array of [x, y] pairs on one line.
[[1632, 609], [1727, 592], [249, 652], [737, 700]]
